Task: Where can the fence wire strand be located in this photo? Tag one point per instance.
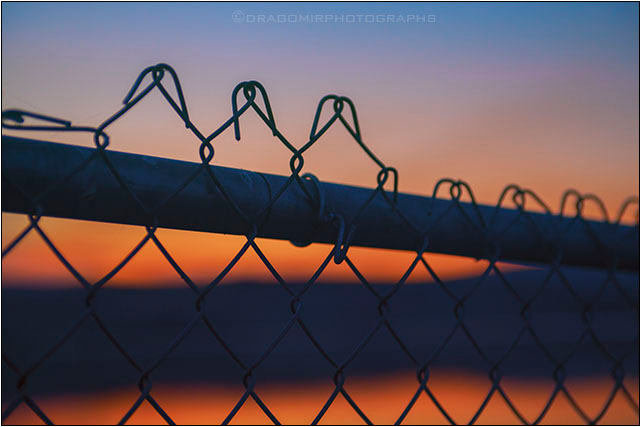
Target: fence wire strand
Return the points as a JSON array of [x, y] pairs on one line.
[[161, 77]]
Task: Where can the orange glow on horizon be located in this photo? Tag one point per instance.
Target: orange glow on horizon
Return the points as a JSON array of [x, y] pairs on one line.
[[95, 248], [381, 398]]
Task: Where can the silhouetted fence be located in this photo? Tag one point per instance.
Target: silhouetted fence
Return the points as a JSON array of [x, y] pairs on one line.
[[49, 179]]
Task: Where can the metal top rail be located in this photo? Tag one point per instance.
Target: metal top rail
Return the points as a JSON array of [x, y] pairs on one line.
[[30, 167]]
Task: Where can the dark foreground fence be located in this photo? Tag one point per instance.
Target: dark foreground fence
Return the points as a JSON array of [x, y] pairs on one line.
[[42, 179]]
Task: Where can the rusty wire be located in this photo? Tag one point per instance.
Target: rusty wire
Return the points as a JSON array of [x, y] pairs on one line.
[[484, 227]]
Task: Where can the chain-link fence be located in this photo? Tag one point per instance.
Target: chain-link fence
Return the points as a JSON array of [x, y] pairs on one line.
[[45, 179]]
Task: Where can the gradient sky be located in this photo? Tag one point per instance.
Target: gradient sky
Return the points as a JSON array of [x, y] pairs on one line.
[[542, 95]]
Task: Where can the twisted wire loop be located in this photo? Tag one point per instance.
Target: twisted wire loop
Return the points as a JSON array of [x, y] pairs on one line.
[[344, 112]]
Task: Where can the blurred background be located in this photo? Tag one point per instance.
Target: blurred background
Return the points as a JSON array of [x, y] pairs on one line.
[[542, 95]]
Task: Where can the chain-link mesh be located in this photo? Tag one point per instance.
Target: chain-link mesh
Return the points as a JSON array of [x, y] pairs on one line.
[[345, 113]]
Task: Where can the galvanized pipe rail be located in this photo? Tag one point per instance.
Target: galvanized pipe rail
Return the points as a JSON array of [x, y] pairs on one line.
[[94, 194]]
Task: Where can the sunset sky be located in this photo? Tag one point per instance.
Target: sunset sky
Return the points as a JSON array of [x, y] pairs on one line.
[[545, 96]]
